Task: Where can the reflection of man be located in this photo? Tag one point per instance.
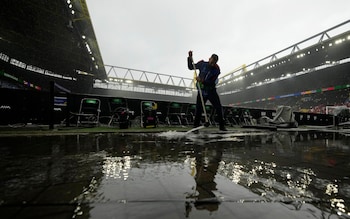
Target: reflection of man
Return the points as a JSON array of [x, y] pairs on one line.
[[207, 163]]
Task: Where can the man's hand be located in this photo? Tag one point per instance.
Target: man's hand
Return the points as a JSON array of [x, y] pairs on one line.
[[190, 53], [199, 79]]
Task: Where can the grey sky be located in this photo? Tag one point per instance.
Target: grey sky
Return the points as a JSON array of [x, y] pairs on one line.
[[155, 35]]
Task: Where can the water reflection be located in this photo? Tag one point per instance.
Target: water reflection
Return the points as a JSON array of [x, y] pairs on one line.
[[117, 167], [102, 175], [204, 167]]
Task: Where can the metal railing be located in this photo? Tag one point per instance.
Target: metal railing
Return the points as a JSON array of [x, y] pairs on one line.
[[128, 79]]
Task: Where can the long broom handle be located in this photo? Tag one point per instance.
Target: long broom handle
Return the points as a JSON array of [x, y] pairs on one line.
[[200, 94]]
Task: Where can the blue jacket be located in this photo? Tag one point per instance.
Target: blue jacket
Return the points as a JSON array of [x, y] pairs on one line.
[[208, 74]]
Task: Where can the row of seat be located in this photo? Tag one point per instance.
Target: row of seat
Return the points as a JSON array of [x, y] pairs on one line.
[[150, 115]]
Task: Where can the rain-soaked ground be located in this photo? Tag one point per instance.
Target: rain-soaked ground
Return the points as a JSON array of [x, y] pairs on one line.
[[240, 174]]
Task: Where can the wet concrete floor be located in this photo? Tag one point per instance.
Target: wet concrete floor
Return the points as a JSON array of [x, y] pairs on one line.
[[239, 174]]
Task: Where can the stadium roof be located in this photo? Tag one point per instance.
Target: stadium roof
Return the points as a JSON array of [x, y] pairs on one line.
[[53, 35]]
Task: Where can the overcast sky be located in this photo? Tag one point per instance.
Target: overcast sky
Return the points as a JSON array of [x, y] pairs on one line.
[[156, 35]]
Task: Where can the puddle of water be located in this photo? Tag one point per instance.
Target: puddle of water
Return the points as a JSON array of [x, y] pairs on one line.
[[177, 175]]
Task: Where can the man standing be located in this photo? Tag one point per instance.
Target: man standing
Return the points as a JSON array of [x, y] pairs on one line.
[[206, 81]]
